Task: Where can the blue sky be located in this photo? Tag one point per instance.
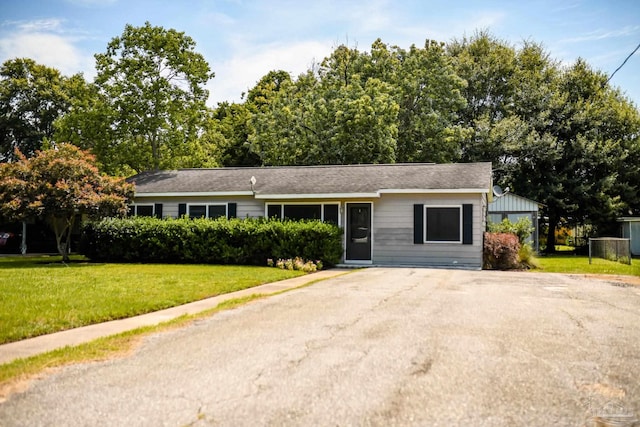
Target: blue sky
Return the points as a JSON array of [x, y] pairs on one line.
[[244, 39]]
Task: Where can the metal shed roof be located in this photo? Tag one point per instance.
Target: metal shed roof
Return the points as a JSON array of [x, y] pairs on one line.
[[513, 203]]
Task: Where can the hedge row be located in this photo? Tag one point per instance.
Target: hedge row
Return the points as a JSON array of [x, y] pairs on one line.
[[220, 241]]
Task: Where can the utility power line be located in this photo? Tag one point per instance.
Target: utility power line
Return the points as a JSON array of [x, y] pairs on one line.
[[623, 62]]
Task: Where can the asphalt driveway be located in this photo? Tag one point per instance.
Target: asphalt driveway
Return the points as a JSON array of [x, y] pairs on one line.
[[375, 347]]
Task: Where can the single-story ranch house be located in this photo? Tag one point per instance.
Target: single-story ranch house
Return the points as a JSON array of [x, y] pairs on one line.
[[392, 214]]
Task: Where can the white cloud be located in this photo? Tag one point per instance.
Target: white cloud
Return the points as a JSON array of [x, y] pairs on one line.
[[603, 34], [47, 49], [241, 72], [49, 25], [250, 61]]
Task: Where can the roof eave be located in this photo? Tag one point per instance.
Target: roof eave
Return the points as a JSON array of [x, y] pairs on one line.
[[317, 196], [195, 194], [376, 194], [433, 190]]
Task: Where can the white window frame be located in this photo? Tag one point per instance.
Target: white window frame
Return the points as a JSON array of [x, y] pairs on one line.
[[226, 209], [321, 204], [459, 241], [135, 208], [207, 205]]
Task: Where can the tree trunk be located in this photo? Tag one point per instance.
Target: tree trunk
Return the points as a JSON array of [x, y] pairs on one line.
[[62, 227]]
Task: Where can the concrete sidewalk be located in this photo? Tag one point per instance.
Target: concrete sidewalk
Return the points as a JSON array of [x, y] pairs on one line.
[[72, 337]]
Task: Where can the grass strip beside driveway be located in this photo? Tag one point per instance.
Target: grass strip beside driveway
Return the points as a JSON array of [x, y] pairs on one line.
[[577, 264], [40, 295]]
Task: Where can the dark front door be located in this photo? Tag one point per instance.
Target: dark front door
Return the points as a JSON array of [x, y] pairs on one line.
[[358, 232]]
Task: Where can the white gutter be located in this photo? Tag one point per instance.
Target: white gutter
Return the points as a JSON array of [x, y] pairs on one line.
[[288, 196], [376, 194], [318, 196], [434, 191]]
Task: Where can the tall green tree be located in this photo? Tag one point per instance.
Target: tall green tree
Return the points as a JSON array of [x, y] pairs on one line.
[[32, 98], [59, 185], [88, 124], [430, 100], [424, 84], [232, 123], [385, 105], [594, 127], [487, 65], [328, 122], [154, 83], [264, 92], [554, 134]]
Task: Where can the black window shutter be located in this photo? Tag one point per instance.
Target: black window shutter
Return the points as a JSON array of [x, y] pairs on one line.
[[158, 210], [418, 224], [182, 209], [232, 210], [467, 224]]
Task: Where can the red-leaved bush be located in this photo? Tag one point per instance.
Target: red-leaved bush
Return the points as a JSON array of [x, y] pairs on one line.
[[500, 251]]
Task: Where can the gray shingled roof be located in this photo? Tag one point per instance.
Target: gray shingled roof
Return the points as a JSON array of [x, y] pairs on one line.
[[318, 179]]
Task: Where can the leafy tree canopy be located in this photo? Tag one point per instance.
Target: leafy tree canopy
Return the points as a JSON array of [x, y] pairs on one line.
[[32, 98], [558, 135], [153, 82], [58, 185]]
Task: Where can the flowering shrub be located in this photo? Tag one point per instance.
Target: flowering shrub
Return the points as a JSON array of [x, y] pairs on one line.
[[296, 263], [500, 251]]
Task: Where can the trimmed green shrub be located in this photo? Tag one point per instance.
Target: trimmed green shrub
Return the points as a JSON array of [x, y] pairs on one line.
[[500, 251], [522, 228], [219, 241]]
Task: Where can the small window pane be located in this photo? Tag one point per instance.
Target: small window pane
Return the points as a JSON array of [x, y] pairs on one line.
[[296, 212], [274, 211], [217, 211], [495, 218], [144, 210], [331, 214], [443, 224], [197, 211], [132, 210]]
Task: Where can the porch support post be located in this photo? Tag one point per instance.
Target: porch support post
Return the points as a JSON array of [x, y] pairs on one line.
[[23, 244]]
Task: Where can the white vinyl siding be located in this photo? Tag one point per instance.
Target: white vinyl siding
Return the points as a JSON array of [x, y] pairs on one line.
[[392, 227], [393, 233]]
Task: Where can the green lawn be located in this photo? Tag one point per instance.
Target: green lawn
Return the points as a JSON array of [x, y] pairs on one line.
[[580, 265], [40, 296]]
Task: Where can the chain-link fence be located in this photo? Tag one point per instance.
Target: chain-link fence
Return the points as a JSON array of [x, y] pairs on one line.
[[610, 248]]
